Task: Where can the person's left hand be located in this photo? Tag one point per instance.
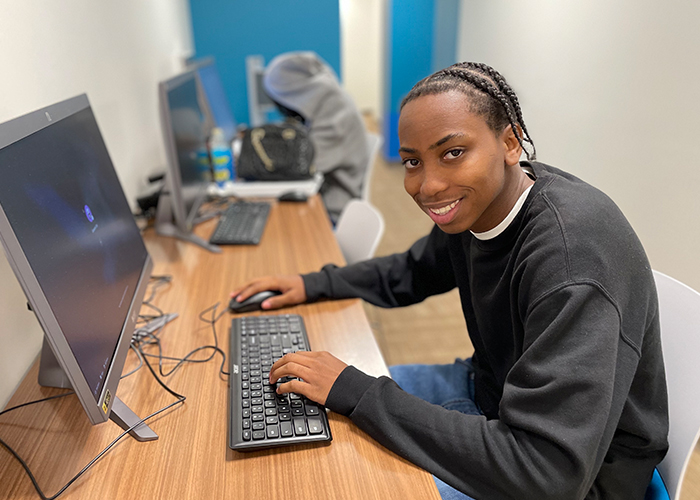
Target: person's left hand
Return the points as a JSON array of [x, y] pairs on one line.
[[318, 371]]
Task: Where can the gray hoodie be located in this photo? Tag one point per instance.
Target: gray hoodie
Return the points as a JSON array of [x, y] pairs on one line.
[[303, 82]]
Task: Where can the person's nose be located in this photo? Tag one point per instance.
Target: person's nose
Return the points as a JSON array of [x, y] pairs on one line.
[[433, 183]]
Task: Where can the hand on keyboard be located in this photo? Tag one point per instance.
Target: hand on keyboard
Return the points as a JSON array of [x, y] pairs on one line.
[[318, 372], [292, 288]]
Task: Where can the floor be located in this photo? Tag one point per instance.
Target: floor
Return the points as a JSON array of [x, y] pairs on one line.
[[433, 331]]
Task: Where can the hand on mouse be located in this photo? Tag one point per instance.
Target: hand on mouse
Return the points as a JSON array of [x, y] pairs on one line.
[[292, 288]]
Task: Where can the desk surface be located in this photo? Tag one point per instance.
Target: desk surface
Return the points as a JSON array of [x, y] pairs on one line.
[[191, 458]]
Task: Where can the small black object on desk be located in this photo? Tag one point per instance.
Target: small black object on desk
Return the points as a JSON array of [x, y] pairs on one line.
[[293, 196]]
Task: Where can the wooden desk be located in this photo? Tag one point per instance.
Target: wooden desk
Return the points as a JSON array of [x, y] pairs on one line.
[[191, 460]]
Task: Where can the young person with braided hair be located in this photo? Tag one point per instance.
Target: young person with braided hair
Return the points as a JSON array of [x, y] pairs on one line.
[[565, 395]]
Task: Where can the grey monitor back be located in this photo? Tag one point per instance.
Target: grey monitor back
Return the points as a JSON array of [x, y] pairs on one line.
[[189, 173], [75, 249]]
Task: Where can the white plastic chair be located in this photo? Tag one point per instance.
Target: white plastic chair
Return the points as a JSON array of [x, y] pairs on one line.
[[359, 229], [679, 310], [374, 143]]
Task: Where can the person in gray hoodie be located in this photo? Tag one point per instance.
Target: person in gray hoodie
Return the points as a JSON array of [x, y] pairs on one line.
[[303, 83]]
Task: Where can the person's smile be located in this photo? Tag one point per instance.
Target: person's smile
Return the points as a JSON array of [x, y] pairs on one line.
[[442, 212]]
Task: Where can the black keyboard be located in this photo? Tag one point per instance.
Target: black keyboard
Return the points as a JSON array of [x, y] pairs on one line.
[[242, 223], [258, 416]]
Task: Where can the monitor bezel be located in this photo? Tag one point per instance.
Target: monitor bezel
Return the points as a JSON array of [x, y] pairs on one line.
[[173, 178], [97, 410]]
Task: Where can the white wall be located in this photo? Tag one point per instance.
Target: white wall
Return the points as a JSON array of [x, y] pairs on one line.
[[116, 52], [610, 92], [362, 52]]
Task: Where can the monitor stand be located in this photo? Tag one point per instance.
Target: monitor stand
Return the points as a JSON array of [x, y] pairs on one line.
[[166, 227], [52, 375]]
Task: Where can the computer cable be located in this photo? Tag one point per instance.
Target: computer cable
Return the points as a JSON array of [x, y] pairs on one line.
[[156, 282], [180, 400], [138, 355], [152, 338]]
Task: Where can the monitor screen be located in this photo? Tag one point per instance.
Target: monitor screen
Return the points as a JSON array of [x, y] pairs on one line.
[[184, 129], [216, 99], [73, 243]]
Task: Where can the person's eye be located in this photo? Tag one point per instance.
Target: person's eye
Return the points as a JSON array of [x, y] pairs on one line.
[[454, 153], [411, 163]]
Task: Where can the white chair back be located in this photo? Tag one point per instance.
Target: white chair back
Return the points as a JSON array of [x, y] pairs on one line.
[[374, 143], [359, 229], [679, 310]]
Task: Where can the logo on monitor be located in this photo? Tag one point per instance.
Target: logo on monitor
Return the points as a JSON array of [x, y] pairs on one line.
[[88, 213], [105, 401]]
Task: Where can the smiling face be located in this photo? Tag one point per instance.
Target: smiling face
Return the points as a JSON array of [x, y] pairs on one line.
[[461, 173]]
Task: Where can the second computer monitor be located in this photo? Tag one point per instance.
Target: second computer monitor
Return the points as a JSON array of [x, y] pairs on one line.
[[189, 169]]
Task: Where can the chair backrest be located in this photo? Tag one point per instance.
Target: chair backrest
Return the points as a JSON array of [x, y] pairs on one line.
[[374, 143], [359, 229], [679, 310]]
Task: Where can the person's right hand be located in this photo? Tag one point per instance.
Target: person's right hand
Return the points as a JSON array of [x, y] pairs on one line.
[[292, 288]]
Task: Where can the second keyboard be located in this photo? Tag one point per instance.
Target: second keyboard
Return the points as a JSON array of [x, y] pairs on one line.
[[242, 223]]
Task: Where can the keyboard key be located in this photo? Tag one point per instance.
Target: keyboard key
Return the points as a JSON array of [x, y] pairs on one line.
[[300, 427], [315, 426], [246, 435], [312, 410], [286, 429], [258, 426], [257, 435], [272, 431]]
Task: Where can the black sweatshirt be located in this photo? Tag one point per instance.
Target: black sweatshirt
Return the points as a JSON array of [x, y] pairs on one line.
[[562, 312]]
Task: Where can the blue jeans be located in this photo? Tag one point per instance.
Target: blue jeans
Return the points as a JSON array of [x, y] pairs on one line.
[[450, 386]]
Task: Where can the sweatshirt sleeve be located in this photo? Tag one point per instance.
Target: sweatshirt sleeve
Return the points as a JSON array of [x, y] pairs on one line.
[[547, 443], [396, 280]]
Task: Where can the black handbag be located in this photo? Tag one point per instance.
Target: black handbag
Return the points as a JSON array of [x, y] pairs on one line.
[[276, 152]]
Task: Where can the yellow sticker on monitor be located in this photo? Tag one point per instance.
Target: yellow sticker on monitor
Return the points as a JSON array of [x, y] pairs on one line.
[[105, 401]]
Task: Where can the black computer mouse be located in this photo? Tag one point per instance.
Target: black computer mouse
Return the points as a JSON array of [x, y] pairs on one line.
[[252, 303], [293, 196]]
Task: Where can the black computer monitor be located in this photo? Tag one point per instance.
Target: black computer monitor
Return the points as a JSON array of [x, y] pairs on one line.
[[189, 170], [216, 106], [74, 246]]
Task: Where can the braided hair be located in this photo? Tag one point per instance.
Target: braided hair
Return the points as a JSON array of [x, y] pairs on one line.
[[489, 94]]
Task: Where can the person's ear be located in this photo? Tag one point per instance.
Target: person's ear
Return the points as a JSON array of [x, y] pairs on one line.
[[512, 148]]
